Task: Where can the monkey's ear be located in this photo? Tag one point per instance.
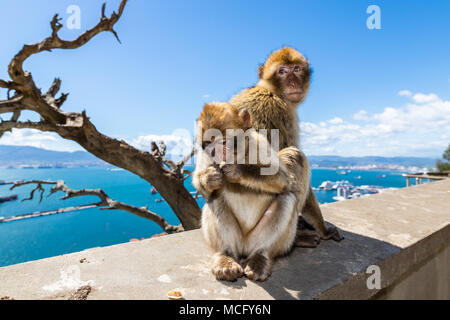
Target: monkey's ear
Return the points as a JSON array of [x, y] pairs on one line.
[[260, 71], [246, 118]]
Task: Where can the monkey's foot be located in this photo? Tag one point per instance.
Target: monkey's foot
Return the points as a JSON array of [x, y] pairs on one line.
[[258, 267], [332, 233], [225, 268], [307, 239]]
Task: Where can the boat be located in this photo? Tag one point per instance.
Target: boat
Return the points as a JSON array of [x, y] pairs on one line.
[[342, 183], [8, 198], [44, 167], [153, 191], [326, 185]]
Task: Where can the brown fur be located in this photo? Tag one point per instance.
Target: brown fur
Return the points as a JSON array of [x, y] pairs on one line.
[[270, 107], [220, 116], [226, 268], [246, 214], [284, 56], [269, 111], [258, 267]]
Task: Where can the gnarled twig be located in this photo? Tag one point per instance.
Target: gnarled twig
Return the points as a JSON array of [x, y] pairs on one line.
[[105, 203], [165, 176]]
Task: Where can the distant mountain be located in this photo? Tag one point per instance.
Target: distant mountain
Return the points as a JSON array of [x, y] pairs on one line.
[[10, 155], [335, 161], [16, 155]]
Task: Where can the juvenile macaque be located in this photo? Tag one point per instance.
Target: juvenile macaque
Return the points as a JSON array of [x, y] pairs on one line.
[[249, 217]]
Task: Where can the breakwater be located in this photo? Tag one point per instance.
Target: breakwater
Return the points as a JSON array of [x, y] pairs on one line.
[[44, 213]]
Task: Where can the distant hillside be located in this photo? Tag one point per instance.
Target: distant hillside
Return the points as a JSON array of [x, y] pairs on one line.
[[10, 155], [15, 155], [335, 161]]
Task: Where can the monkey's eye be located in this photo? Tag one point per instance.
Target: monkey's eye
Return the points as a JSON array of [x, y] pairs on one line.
[[282, 71], [296, 69]]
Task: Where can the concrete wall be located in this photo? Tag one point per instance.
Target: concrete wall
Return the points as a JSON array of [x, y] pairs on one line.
[[405, 232], [429, 280]]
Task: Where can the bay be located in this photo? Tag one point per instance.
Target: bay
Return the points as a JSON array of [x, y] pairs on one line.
[[38, 238]]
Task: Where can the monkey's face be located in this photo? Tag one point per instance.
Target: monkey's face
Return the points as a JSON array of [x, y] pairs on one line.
[[217, 126], [292, 82]]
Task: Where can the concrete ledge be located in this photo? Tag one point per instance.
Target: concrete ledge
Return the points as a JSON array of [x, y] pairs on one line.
[[405, 232]]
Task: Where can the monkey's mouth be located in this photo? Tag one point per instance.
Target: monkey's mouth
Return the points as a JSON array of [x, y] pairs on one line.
[[295, 92], [294, 96]]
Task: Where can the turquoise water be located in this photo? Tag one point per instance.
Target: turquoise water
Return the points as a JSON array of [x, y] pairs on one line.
[[38, 238]]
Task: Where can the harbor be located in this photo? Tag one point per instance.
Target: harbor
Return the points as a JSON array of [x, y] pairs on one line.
[[79, 229], [346, 190]]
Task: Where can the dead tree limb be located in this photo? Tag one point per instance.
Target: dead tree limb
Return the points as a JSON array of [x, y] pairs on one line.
[[105, 203], [154, 168]]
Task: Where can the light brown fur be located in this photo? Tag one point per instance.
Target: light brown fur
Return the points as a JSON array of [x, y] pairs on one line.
[[269, 111], [246, 216], [283, 85], [284, 56]]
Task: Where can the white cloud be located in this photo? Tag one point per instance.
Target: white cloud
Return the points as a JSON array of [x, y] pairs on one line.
[[361, 115], [38, 139], [425, 98], [336, 120], [405, 93], [178, 144], [420, 128]]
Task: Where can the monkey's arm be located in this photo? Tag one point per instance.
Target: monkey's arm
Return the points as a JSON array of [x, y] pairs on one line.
[[207, 176], [292, 174], [250, 176], [208, 180]]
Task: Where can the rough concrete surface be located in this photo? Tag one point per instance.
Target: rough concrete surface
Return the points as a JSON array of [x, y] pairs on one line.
[[397, 230]]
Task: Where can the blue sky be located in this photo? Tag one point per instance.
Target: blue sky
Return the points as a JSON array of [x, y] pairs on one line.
[[374, 92]]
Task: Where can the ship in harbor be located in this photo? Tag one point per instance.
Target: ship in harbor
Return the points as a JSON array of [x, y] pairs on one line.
[[346, 190]]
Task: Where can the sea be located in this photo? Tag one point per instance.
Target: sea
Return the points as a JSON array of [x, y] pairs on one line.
[[42, 237]]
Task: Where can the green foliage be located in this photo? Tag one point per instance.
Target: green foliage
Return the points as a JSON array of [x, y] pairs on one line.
[[442, 166], [446, 154]]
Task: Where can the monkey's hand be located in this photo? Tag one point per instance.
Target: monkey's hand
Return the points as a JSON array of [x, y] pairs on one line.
[[232, 172], [211, 179]]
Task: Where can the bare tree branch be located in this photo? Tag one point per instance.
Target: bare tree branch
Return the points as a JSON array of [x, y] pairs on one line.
[[167, 177], [176, 168], [8, 125], [12, 105], [6, 84], [105, 203]]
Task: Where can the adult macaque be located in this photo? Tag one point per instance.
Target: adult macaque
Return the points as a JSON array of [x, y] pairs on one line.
[[249, 218], [283, 84]]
